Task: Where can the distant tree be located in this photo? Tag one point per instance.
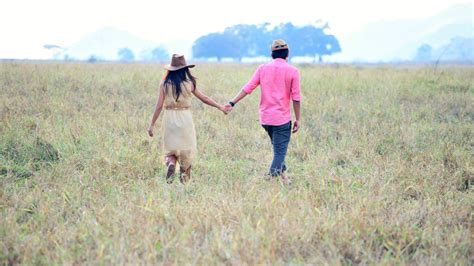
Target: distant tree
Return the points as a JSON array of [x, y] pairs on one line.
[[254, 40], [332, 46], [219, 45], [56, 50], [126, 55], [458, 49], [201, 47], [67, 57], [307, 40], [156, 54], [251, 38], [423, 53], [159, 54], [92, 59]]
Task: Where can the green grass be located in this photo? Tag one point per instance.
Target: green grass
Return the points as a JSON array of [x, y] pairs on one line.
[[382, 169]]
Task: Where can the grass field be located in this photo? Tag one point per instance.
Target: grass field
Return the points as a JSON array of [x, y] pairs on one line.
[[382, 169]]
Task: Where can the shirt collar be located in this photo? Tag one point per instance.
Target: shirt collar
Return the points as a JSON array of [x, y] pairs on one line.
[[279, 60]]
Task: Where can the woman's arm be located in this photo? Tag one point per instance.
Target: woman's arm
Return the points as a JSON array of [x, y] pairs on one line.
[[158, 107], [207, 100]]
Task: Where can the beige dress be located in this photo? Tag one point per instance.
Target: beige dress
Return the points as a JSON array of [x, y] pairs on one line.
[[179, 135]]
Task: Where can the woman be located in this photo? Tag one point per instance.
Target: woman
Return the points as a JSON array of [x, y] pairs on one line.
[[179, 135]]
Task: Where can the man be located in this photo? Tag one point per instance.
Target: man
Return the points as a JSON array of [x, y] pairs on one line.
[[279, 83]]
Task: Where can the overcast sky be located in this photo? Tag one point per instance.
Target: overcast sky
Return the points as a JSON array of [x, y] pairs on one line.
[[26, 25]]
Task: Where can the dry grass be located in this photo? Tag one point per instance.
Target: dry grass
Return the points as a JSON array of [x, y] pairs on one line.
[[382, 167]]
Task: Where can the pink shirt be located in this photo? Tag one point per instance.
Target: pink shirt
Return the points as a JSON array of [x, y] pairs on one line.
[[279, 82]]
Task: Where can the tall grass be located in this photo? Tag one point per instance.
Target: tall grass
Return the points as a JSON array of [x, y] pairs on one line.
[[382, 170]]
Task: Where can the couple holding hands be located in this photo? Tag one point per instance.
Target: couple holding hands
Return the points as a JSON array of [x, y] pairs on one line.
[[279, 85]]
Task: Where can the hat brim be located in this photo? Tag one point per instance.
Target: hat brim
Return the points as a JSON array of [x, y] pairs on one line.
[[280, 48], [174, 68]]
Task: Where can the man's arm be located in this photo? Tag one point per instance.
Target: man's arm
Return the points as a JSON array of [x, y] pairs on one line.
[[296, 109], [239, 96], [247, 89], [296, 97]]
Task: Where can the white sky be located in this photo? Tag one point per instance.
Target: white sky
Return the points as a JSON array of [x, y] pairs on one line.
[[26, 25]]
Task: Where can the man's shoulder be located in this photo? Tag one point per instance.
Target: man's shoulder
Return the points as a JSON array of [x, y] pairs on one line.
[[292, 66], [272, 64]]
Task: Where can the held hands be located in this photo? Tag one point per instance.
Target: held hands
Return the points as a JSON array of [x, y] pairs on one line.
[[228, 108], [223, 109]]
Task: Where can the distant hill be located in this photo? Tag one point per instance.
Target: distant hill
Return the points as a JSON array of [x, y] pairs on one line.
[[399, 39], [105, 43]]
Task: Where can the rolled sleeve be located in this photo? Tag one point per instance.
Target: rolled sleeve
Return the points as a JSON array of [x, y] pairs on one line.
[[253, 83], [295, 87]]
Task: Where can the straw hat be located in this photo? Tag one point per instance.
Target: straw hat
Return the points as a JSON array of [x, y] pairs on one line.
[[279, 45], [177, 62]]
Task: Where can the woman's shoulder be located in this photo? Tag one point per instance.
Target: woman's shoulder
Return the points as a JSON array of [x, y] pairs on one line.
[[189, 85]]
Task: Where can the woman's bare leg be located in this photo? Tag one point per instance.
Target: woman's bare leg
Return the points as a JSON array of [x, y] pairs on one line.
[[170, 161], [185, 174]]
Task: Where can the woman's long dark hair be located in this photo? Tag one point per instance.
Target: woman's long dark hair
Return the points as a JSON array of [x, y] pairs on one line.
[[175, 78]]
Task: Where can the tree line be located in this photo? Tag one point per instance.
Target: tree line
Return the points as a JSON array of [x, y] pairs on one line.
[[245, 40], [237, 42], [156, 54], [459, 49]]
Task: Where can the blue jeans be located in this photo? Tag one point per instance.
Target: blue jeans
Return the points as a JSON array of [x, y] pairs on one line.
[[280, 137]]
